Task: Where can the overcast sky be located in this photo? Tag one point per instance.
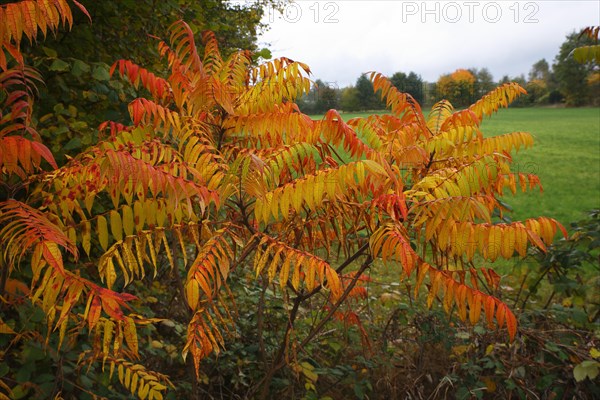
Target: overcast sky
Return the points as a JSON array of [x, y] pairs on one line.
[[339, 40]]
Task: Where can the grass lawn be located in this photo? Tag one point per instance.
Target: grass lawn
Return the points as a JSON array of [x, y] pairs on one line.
[[566, 157]]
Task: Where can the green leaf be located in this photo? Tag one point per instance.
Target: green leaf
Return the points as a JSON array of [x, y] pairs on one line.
[[19, 392], [74, 143], [101, 73], [264, 53], [61, 130], [50, 52], [90, 95], [80, 68], [4, 369], [586, 369], [59, 65]]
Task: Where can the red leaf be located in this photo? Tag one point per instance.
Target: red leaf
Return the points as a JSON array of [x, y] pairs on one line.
[[52, 255], [94, 313], [44, 152]]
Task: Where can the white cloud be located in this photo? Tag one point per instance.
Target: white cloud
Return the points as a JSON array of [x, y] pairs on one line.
[[341, 39]]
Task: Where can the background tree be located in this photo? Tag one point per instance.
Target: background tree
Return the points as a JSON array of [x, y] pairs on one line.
[[411, 83], [572, 76], [457, 87], [541, 86], [327, 97], [590, 54], [522, 101], [349, 99], [322, 97], [540, 71], [367, 99], [484, 81]]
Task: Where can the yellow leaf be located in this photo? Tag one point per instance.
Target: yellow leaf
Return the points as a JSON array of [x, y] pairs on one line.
[[5, 329], [139, 215], [374, 167], [121, 373], [130, 334], [192, 292], [108, 336], [86, 236], [110, 275], [52, 255], [333, 282], [128, 223], [284, 272], [307, 370], [143, 390], [102, 231], [490, 384], [296, 276], [508, 242], [134, 382], [167, 249], [127, 379], [63, 329], [156, 394], [494, 242], [116, 226], [460, 350], [150, 211], [274, 264]]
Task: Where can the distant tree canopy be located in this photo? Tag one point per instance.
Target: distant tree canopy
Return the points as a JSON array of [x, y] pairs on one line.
[[411, 83], [484, 81], [328, 97], [367, 99], [323, 96], [349, 99], [457, 87], [567, 81], [540, 71]]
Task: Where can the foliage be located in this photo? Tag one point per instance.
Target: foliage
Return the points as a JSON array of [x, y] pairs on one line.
[[542, 87], [411, 84], [571, 74], [484, 81], [570, 266], [540, 70], [349, 99], [321, 98], [366, 96], [590, 53], [75, 64], [457, 87], [220, 182], [421, 354]]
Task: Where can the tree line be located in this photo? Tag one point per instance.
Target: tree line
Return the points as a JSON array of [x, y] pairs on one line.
[[565, 82]]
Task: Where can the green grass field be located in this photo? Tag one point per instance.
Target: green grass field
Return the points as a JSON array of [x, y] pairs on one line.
[[566, 157]]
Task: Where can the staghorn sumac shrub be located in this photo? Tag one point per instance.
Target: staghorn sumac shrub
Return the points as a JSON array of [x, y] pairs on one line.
[[134, 250]]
